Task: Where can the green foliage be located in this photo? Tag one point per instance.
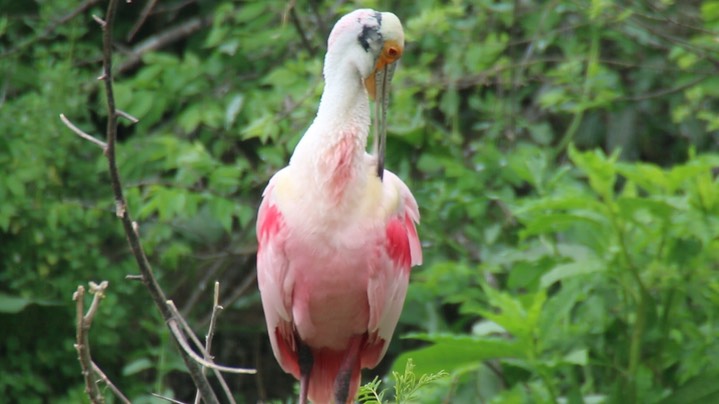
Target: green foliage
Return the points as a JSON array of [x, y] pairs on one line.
[[563, 155], [619, 257], [406, 386]]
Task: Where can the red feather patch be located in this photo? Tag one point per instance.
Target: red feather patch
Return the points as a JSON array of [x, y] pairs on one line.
[[398, 243], [270, 224]]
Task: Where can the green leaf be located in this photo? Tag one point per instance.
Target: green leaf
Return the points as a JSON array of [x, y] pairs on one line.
[[701, 389], [222, 210], [370, 393], [137, 366], [570, 270], [648, 176], [578, 357], [456, 352], [600, 169], [558, 222], [14, 304], [234, 107], [263, 128], [225, 179]]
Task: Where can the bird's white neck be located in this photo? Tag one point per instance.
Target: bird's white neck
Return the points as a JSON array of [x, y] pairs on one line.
[[333, 148], [344, 101]]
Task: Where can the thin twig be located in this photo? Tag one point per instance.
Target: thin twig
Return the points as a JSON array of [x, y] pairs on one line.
[[664, 19], [201, 285], [109, 384], [173, 8], [146, 11], [99, 20], [259, 381], [81, 133], [236, 293], [667, 91], [171, 400], [127, 116], [297, 23], [319, 20], [216, 308], [177, 332], [209, 364]]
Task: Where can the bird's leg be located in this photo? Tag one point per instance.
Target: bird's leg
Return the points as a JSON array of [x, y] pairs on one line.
[[342, 385], [347, 373], [344, 379], [305, 360]]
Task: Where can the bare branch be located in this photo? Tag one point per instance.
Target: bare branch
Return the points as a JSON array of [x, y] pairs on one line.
[[143, 263], [173, 322], [82, 345], [80, 132], [109, 384]]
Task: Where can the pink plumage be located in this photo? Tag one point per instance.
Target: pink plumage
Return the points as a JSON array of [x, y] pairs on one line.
[[336, 242]]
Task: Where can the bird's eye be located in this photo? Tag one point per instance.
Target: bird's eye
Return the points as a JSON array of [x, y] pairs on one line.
[[393, 53]]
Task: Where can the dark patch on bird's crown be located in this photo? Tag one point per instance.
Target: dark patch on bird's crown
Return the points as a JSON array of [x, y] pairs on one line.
[[369, 31]]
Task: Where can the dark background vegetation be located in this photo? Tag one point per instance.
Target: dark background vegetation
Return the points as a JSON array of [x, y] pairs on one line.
[[563, 154]]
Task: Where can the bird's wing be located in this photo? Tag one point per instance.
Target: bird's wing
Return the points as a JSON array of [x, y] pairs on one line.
[[389, 278], [272, 278]]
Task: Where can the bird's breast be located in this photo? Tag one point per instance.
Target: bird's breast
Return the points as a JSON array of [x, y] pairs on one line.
[[331, 273]]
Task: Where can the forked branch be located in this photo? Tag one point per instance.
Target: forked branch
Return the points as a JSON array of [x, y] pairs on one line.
[[84, 320]]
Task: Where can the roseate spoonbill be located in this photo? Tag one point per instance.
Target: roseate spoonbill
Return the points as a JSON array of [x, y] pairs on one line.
[[336, 231]]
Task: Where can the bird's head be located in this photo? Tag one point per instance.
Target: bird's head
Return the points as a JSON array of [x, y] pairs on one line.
[[373, 42]]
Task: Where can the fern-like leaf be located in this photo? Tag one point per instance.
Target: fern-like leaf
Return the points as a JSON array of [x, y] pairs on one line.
[[370, 393], [407, 385]]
